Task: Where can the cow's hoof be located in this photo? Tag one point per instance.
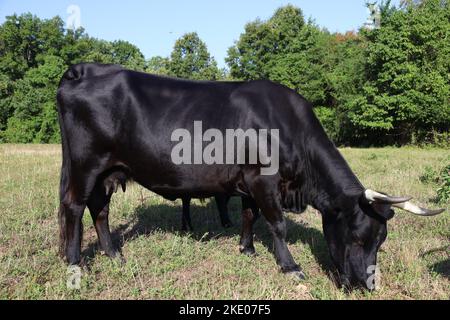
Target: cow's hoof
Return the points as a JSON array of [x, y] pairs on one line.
[[120, 259], [248, 251], [297, 275], [116, 256], [187, 229]]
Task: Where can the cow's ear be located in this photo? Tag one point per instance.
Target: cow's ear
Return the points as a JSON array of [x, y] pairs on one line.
[[384, 210]]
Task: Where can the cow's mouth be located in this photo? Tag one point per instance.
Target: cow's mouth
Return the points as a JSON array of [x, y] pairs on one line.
[[352, 284]]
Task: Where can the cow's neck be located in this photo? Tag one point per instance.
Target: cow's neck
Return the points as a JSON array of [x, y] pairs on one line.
[[331, 178]]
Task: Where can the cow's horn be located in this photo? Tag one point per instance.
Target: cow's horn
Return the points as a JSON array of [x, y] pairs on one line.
[[401, 202], [374, 196], [411, 207]]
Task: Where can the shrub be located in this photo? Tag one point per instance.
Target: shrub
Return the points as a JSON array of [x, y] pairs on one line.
[[327, 118], [443, 192], [441, 179], [429, 176]]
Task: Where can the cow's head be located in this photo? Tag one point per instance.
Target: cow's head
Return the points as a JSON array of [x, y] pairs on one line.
[[357, 228]]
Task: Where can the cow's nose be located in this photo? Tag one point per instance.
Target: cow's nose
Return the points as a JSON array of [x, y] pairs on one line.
[[363, 284], [350, 284]]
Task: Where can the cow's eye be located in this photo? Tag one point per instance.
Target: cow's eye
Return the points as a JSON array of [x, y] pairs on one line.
[[358, 237]]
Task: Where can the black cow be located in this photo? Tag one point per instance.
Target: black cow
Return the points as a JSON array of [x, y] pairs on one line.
[[118, 123]]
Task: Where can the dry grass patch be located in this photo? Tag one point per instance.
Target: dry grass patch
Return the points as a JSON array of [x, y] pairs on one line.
[[162, 263]]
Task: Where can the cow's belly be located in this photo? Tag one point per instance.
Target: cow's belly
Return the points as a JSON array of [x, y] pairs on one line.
[[194, 181]]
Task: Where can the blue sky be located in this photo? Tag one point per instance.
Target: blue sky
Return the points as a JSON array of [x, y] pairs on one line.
[[155, 25]]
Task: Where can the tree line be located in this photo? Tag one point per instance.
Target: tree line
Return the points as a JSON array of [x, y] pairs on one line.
[[380, 86]]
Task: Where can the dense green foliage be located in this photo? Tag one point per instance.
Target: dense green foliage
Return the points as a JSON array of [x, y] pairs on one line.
[[386, 85], [407, 72], [443, 192], [35, 53], [190, 59], [441, 180], [380, 86]]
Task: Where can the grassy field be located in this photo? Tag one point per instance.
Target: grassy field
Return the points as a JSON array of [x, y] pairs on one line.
[[162, 263]]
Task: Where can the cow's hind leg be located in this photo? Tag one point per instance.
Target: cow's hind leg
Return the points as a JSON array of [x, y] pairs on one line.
[[77, 183], [98, 205], [71, 228], [74, 193], [250, 214]]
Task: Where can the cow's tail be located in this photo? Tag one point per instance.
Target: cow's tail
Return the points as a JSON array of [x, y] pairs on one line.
[[64, 178]]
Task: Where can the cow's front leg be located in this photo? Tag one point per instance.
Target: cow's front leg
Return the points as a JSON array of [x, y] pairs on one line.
[[284, 258], [250, 214], [266, 194]]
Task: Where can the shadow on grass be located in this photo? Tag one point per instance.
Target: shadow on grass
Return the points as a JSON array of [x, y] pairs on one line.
[[206, 225], [442, 267]]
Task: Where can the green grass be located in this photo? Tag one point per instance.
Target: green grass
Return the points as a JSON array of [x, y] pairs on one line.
[[162, 263]]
